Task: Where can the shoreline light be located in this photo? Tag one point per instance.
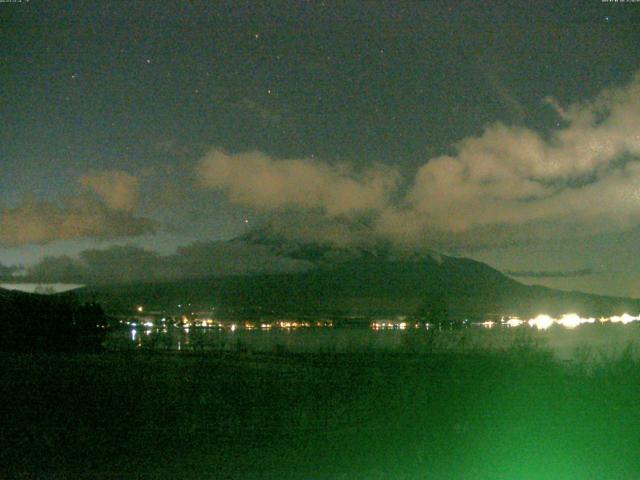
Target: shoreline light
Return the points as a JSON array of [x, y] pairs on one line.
[[624, 318], [513, 322], [541, 322], [568, 320]]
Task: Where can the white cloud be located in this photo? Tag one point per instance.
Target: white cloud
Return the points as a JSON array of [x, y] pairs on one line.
[[118, 189], [80, 216], [131, 263], [256, 180], [104, 209], [508, 183], [511, 177]]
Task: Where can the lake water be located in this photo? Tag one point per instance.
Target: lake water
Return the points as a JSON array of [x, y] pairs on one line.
[[593, 340]]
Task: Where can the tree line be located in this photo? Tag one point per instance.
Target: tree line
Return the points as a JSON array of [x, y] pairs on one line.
[[32, 322]]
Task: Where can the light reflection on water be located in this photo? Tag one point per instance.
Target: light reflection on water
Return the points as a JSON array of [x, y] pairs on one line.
[[608, 338], [257, 339]]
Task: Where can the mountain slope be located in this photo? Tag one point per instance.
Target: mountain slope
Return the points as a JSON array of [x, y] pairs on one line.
[[371, 280]]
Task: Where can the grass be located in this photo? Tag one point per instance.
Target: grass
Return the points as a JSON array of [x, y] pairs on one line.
[[511, 414]]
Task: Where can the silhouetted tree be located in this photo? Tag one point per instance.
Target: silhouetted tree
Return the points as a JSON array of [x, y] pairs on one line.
[[37, 322]]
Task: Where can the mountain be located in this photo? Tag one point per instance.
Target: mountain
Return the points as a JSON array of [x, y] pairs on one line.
[[369, 280]]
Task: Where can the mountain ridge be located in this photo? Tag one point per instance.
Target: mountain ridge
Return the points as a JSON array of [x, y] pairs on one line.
[[361, 280]]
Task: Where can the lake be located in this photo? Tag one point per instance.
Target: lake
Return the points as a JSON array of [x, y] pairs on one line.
[[588, 340]]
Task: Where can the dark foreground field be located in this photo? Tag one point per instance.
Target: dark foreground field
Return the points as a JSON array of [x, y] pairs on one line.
[[513, 415]]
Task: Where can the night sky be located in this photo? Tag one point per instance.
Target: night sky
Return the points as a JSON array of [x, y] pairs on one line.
[[499, 131]]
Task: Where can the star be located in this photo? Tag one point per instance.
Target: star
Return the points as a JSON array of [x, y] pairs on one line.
[[148, 61]]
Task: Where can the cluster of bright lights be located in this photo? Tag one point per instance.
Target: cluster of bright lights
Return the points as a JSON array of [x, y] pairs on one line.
[[513, 322], [624, 319], [572, 320], [568, 320], [186, 324], [292, 324], [541, 322], [488, 324], [395, 325]]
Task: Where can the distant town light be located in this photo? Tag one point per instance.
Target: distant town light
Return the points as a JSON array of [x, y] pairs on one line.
[[541, 322], [624, 318], [513, 322], [570, 320]]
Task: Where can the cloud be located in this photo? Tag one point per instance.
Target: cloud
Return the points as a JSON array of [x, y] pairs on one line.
[[315, 227], [585, 176], [230, 258], [583, 272], [256, 180], [512, 176], [119, 190], [57, 269], [81, 216], [122, 264], [7, 272], [103, 207], [508, 184]]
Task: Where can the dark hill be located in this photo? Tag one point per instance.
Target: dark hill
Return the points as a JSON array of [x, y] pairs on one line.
[[49, 322]]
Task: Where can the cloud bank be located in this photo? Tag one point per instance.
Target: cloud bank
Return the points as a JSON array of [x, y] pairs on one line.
[[7, 272], [258, 181], [586, 173], [118, 190], [122, 264], [508, 184], [105, 212]]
